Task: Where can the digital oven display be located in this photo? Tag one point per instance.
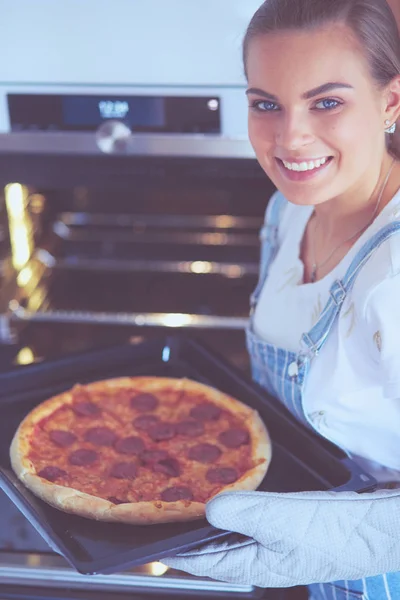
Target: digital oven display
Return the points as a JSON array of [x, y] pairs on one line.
[[140, 112]]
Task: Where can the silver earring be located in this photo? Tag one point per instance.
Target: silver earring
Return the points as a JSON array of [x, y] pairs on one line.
[[390, 128]]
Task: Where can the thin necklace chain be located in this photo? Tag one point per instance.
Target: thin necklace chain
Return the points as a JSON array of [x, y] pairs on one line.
[[316, 265]]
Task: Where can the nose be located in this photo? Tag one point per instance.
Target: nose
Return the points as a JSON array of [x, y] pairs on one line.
[[293, 131]]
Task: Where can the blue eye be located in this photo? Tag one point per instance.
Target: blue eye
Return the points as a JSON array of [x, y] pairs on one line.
[[264, 106], [328, 104]]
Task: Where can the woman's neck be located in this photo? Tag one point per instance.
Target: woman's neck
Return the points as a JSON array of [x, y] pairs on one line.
[[341, 216]]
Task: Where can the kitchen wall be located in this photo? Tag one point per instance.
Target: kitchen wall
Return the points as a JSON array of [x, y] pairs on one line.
[[168, 42]]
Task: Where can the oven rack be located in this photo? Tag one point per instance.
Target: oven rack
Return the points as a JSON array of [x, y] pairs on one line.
[[38, 309], [48, 572], [131, 221], [155, 236], [230, 270], [173, 320]]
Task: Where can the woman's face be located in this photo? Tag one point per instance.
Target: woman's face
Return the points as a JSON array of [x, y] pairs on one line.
[[316, 117]]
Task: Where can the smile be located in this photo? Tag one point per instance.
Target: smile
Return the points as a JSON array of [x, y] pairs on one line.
[[305, 170], [305, 166]]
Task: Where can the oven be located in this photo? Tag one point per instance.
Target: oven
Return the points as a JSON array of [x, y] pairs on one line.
[[126, 246], [110, 235], [130, 210]]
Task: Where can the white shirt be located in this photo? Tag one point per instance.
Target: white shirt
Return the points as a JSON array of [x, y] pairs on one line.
[[352, 394]]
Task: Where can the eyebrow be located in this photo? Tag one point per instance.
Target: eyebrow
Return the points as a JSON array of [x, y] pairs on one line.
[[321, 89]]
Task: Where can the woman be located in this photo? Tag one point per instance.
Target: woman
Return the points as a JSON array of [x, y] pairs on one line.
[[324, 97]]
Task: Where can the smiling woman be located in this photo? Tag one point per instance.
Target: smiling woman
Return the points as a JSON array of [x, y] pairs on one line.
[[324, 86], [304, 108], [324, 98]]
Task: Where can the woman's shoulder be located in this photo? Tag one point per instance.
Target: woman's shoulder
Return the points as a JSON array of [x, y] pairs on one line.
[[380, 273], [276, 207], [283, 214]]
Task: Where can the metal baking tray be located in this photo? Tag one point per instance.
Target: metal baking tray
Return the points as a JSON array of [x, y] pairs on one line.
[[301, 459]]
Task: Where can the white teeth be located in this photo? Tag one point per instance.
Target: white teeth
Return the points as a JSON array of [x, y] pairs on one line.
[[305, 166]]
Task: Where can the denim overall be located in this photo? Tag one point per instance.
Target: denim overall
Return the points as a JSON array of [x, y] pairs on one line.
[[284, 374]]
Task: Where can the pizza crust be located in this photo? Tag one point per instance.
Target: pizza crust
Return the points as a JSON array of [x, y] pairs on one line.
[[80, 503], [92, 507]]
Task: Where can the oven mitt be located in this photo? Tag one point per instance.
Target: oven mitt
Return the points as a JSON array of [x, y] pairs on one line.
[[299, 538]]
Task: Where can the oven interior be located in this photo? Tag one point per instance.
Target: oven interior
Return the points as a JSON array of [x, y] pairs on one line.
[[95, 251]]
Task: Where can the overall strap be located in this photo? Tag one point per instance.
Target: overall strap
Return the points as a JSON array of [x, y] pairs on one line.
[[269, 241], [313, 341]]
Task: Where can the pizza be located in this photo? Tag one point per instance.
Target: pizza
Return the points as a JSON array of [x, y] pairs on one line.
[[140, 450]]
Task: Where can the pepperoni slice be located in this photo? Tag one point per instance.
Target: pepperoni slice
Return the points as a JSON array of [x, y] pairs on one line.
[[52, 473], [124, 470], [190, 428], [130, 445], [222, 475], [85, 409], [83, 457], [115, 500], [175, 493], [206, 412], [162, 431], [62, 438], [150, 457], [144, 402], [169, 467], [204, 453], [101, 436], [145, 422], [233, 438]]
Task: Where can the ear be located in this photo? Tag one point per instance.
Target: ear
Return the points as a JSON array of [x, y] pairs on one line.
[[392, 100]]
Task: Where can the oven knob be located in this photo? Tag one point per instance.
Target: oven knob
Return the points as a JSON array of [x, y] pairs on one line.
[[113, 137]]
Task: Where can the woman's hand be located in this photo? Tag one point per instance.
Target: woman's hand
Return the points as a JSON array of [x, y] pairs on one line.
[[299, 538]]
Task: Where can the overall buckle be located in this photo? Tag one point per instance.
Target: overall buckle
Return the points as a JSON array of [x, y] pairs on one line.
[[338, 292], [311, 348]]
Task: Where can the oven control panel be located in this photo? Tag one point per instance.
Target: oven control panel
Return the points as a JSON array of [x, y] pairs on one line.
[[140, 113]]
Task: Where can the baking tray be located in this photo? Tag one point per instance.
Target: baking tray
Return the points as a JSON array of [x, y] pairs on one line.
[[301, 459]]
